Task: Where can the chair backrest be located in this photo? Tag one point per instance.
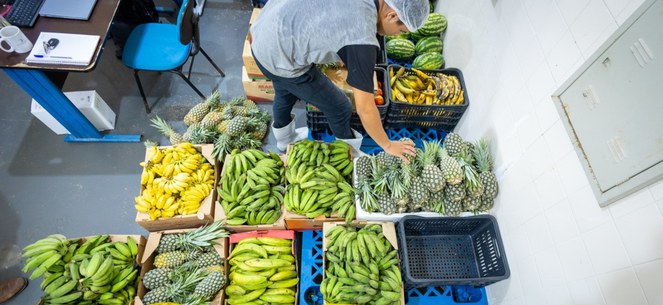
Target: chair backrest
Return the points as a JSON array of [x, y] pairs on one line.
[[185, 21]]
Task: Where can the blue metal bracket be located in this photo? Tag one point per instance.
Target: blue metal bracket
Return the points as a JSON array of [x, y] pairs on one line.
[[49, 96]]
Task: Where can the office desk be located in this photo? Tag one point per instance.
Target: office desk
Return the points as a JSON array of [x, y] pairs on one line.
[[33, 79]]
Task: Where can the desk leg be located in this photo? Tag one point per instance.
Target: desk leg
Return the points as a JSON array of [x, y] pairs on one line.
[[49, 96]]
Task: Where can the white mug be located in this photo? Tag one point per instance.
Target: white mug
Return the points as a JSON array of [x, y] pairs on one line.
[[16, 40]]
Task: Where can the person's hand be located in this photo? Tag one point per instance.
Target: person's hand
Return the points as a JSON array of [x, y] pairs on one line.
[[401, 149]]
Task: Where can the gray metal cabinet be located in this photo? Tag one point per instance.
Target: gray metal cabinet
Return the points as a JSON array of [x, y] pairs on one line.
[[613, 107]]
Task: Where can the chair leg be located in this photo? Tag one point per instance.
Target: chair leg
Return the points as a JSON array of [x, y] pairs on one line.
[[212, 62], [191, 66], [189, 82], [142, 93]]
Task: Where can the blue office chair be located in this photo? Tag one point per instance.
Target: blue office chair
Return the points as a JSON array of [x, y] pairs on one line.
[[166, 47]]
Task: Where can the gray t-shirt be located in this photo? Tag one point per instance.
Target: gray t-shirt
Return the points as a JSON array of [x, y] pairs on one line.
[[290, 35]]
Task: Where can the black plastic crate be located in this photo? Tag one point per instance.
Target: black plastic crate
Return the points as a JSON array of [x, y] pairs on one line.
[[440, 117], [317, 121], [438, 251]]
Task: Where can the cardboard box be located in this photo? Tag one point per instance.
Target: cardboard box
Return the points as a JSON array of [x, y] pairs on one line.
[[294, 221], [140, 240], [250, 64], [257, 90], [91, 105], [388, 230], [254, 16], [150, 253], [220, 214], [283, 234], [205, 213]]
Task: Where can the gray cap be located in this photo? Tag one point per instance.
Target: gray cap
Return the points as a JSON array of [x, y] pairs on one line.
[[412, 12]]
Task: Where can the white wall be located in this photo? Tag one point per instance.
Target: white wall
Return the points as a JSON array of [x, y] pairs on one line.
[[562, 248]]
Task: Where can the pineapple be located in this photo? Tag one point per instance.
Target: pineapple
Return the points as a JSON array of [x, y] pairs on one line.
[[207, 259], [241, 110], [212, 119], [237, 125], [170, 259], [431, 174], [367, 195], [451, 169], [472, 183], [418, 194], [163, 127], [454, 192], [363, 167], [160, 294], [197, 134], [200, 238], [486, 203], [249, 104], [228, 113], [222, 127], [198, 112], [259, 132], [402, 204], [395, 183], [453, 143], [237, 101], [380, 180], [222, 145], [246, 141], [208, 287], [387, 203], [260, 114], [452, 207], [156, 278], [435, 203], [388, 161], [484, 161], [471, 204]]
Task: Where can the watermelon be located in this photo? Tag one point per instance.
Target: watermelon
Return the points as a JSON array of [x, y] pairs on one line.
[[428, 61], [429, 45], [401, 35], [435, 24], [416, 36], [399, 48]]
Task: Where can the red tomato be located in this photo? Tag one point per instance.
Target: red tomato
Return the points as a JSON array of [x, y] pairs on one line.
[[379, 92], [380, 85], [379, 100]]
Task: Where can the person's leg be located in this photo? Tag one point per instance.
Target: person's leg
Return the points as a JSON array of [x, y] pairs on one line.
[[315, 88], [284, 101], [10, 288]]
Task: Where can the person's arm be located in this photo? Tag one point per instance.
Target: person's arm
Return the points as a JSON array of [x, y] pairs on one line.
[[370, 119], [360, 62]]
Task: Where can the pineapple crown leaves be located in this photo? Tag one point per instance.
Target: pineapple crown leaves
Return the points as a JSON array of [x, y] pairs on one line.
[[482, 156], [162, 126], [237, 101], [204, 236], [150, 143], [431, 152], [214, 100], [221, 147]]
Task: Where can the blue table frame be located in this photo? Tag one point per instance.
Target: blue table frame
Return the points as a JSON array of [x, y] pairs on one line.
[[32, 79]]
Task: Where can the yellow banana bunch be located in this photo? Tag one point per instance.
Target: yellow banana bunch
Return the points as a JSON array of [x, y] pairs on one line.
[[431, 88], [175, 180]]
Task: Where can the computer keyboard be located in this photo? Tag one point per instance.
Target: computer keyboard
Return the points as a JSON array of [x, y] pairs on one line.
[[24, 13]]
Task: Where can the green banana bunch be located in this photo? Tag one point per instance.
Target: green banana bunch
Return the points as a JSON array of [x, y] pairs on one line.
[[337, 154], [97, 271], [318, 180], [361, 267], [262, 270], [47, 254], [251, 187]]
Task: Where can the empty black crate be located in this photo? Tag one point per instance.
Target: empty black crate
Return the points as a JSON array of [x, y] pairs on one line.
[[317, 121], [439, 117], [438, 251]]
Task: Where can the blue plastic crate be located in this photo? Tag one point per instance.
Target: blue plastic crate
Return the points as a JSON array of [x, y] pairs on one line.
[[310, 270], [311, 277], [369, 146]]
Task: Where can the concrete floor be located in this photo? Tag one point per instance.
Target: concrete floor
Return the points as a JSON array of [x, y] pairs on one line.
[[48, 186]]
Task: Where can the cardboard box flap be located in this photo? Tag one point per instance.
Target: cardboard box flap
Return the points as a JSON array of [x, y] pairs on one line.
[[151, 245]]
